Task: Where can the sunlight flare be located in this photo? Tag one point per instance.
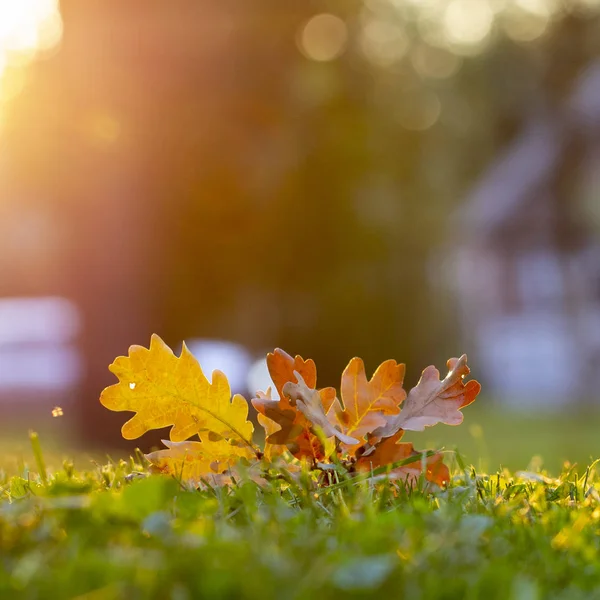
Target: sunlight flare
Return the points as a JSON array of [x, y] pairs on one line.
[[26, 28]]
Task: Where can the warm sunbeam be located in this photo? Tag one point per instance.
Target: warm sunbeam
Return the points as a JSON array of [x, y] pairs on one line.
[[27, 27]]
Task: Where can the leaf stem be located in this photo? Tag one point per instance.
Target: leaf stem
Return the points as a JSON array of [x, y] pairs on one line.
[[381, 470]]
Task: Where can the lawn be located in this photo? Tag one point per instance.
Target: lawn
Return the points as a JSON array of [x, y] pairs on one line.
[[97, 528], [493, 436], [112, 532]]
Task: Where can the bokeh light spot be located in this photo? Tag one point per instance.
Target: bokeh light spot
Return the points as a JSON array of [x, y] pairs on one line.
[[467, 22], [323, 37], [382, 42], [526, 20]]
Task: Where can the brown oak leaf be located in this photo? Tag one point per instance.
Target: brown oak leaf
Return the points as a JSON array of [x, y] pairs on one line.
[[310, 403], [431, 401], [389, 451]]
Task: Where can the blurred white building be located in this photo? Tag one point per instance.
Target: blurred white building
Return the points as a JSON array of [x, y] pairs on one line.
[[526, 257]]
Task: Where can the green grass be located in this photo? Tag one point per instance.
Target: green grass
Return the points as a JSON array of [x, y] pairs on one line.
[[103, 530], [493, 436], [111, 532]]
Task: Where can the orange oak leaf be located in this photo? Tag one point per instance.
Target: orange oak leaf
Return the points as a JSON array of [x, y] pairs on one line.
[[276, 415], [389, 451], [366, 402], [309, 402], [163, 389], [432, 401], [282, 366]]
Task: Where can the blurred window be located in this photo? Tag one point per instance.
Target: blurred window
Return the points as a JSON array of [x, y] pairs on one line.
[[37, 343]]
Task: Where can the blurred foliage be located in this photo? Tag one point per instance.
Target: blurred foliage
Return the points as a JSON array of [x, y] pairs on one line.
[[290, 175], [320, 212], [111, 532]]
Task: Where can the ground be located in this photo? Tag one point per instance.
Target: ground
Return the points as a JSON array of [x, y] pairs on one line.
[[107, 530]]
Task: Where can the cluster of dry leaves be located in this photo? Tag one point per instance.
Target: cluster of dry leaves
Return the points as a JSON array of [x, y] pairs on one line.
[[360, 429]]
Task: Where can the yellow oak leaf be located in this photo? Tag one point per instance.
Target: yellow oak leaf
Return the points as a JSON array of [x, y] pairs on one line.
[[163, 389], [366, 402], [431, 401], [190, 461]]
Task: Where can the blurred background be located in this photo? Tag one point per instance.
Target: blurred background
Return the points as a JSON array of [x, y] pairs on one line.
[[408, 179]]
